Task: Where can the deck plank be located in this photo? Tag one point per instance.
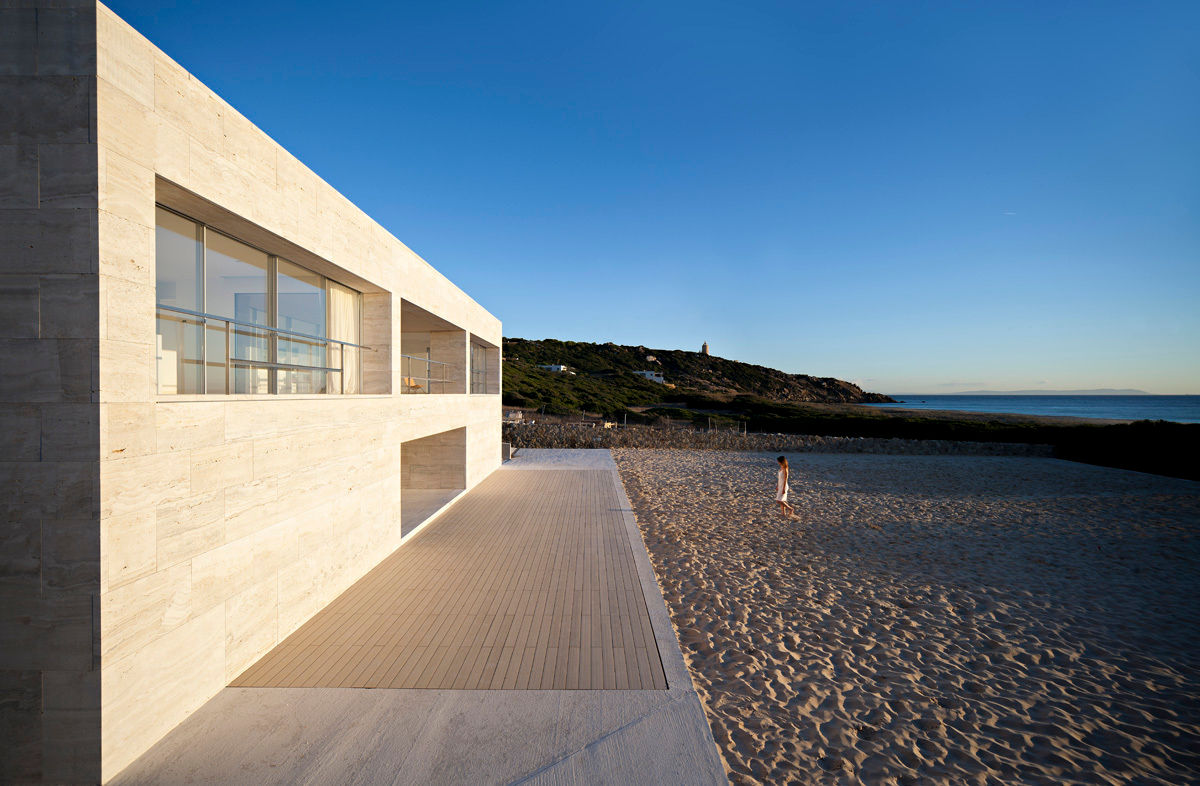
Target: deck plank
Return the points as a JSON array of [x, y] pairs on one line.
[[527, 582]]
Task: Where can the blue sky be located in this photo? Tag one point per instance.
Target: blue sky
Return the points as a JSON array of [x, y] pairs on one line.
[[916, 196]]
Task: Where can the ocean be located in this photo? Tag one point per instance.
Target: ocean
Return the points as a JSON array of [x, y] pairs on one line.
[[1181, 409]]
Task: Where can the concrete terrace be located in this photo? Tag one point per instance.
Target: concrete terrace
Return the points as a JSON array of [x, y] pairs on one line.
[[519, 637]]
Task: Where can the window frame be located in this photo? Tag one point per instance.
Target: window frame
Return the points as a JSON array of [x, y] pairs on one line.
[[272, 329]]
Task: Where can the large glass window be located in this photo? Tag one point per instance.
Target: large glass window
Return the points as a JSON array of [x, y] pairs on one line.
[[234, 319], [302, 307], [235, 279], [180, 283]]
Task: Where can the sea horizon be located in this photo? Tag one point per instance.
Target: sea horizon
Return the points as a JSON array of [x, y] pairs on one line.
[[1099, 406]]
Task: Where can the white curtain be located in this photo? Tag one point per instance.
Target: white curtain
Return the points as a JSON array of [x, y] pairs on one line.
[[345, 323]]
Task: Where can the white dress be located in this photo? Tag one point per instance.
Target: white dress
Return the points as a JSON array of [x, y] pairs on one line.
[[781, 489]]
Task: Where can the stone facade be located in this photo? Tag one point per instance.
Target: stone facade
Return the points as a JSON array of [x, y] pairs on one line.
[[155, 546]]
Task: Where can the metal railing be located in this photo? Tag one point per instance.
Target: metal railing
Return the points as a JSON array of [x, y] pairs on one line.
[[272, 336], [412, 382]]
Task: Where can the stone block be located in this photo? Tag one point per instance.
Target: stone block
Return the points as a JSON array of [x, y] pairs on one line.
[[45, 109], [126, 371], [250, 420], [299, 593], [126, 249], [18, 175], [171, 153], [20, 562], [136, 614], [313, 527], [146, 694], [20, 300], [51, 632], [219, 574], [20, 722], [189, 527], [67, 41], [67, 175], [70, 307], [70, 432], [21, 426], [190, 424], [46, 489], [18, 41], [71, 555], [217, 467], [71, 690], [71, 745], [128, 548], [248, 148], [129, 485], [129, 310], [127, 430], [279, 455], [79, 369], [123, 125], [250, 508], [126, 188], [216, 178], [124, 58], [181, 100], [41, 242], [251, 625]]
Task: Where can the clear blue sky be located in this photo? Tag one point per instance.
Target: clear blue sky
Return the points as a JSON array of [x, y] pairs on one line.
[[916, 196]]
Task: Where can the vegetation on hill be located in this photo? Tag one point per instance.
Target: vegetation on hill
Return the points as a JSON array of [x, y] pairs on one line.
[[605, 383]]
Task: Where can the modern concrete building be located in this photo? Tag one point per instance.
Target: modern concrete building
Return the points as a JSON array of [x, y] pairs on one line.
[[225, 392]]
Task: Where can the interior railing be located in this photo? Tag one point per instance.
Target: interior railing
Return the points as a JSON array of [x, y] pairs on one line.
[[237, 327], [417, 375]]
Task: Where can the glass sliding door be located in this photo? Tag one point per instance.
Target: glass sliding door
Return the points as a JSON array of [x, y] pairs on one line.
[[236, 286], [179, 253]]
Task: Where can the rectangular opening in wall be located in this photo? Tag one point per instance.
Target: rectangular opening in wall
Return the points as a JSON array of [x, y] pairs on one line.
[[433, 353], [433, 471]]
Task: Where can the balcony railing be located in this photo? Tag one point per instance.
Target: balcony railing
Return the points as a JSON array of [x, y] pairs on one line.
[[270, 338], [421, 375]]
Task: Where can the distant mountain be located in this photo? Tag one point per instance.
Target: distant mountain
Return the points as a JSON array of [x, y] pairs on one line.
[[605, 378], [1092, 392]]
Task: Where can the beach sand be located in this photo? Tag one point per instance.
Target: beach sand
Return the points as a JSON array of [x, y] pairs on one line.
[[932, 619]]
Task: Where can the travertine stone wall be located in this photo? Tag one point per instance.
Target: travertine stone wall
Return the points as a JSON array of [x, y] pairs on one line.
[[435, 462], [450, 347], [49, 415], [165, 543], [377, 334]]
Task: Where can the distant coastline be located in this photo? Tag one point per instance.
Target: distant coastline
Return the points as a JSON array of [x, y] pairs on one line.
[[1091, 392], [1109, 407]]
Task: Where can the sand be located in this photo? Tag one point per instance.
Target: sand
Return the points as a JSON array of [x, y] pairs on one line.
[[932, 619]]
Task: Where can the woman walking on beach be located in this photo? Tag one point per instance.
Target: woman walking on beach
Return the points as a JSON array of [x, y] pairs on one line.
[[781, 489]]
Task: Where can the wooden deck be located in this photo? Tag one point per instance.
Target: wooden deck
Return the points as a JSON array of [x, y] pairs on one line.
[[527, 582]]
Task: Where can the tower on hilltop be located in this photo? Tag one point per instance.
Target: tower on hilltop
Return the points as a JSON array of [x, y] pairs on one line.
[[704, 348]]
